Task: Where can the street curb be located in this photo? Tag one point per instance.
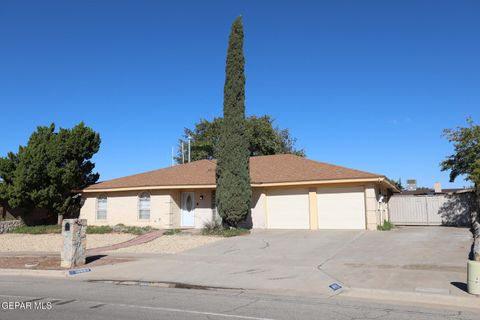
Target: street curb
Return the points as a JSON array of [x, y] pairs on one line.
[[34, 273], [413, 297]]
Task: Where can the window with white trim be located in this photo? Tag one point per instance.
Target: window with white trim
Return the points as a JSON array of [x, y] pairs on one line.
[[144, 206], [102, 207]]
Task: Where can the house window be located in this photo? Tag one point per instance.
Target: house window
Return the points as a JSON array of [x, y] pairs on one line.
[[102, 207], [144, 206]]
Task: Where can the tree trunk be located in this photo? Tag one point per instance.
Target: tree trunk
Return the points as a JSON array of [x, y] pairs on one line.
[[60, 219], [476, 227], [476, 240]]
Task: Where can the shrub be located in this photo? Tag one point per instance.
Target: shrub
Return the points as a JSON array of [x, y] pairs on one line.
[[171, 232], [137, 230], [121, 228], [215, 228], [99, 229], [386, 226], [43, 229]]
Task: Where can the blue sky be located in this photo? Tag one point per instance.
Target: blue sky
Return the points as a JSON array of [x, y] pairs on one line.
[[364, 84]]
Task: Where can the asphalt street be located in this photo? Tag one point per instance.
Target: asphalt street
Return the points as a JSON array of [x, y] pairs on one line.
[[42, 298]]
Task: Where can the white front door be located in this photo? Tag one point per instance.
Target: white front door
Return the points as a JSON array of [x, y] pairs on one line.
[[188, 209]]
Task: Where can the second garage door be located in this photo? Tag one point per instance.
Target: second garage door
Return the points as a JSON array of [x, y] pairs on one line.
[[288, 209], [341, 208]]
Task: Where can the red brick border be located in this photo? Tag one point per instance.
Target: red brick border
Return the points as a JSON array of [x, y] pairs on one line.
[[147, 237]]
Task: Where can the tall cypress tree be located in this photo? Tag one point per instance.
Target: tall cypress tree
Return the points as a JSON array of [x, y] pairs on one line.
[[233, 194]]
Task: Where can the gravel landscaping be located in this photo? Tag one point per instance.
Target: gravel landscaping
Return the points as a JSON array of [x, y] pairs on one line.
[[171, 244], [53, 242]]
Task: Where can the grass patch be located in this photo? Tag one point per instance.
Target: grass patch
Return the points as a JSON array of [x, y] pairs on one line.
[[137, 230], [172, 232], [216, 228], [131, 229], [233, 232], [99, 229], [386, 226], [45, 229]]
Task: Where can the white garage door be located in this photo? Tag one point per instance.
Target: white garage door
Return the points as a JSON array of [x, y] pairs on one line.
[[288, 209], [341, 208]]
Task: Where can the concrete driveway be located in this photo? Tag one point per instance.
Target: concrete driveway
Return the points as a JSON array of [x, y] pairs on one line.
[[421, 259]]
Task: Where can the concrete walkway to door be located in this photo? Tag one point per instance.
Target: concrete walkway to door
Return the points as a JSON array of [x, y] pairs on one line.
[[413, 259]]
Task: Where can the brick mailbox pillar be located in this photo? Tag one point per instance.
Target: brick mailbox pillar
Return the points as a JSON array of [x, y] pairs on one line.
[[74, 243]]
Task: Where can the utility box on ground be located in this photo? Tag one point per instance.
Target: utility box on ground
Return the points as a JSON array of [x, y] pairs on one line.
[[74, 243]]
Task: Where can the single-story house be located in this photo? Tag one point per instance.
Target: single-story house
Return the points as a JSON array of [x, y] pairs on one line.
[[289, 192]]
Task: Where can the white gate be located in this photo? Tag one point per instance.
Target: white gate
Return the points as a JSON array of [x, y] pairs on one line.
[[416, 210]]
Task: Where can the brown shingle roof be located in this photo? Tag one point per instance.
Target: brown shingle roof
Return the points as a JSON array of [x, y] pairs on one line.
[[263, 170]]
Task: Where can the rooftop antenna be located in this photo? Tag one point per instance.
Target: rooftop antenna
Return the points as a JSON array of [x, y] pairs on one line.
[[189, 138], [183, 154], [172, 157]]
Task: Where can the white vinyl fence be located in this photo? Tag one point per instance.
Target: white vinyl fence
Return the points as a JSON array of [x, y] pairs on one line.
[[431, 210]]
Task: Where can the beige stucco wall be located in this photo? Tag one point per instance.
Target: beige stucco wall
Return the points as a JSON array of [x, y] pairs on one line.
[[203, 207], [122, 207], [258, 212], [371, 207], [175, 209]]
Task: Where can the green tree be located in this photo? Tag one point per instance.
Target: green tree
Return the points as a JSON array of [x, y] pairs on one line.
[[233, 193], [466, 162], [46, 172], [397, 183], [263, 138]]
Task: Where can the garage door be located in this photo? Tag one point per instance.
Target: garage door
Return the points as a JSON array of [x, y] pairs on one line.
[[288, 209], [341, 208]]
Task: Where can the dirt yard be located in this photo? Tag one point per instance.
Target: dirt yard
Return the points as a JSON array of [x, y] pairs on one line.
[[171, 244], [12, 242]]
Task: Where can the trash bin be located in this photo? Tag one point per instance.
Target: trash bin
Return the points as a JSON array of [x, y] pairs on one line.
[[74, 243], [473, 277]]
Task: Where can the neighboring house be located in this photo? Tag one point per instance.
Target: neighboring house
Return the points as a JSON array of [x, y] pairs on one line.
[[435, 206], [289, 192]]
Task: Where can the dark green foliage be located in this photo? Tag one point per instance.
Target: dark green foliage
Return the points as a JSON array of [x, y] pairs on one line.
[[466, 161], [47, 171], [398, 184], [263, 138], [233, 193]]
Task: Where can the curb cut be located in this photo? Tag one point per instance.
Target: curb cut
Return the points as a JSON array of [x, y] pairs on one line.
[[472, 302], [34, 273]]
